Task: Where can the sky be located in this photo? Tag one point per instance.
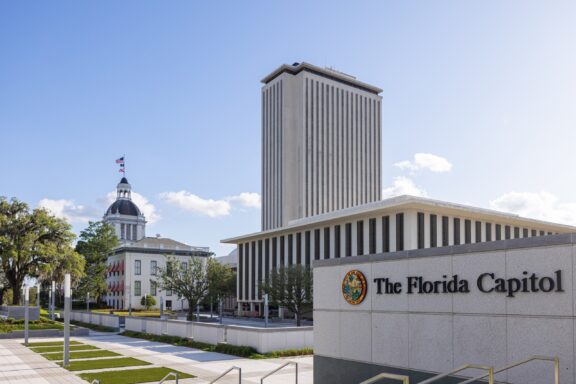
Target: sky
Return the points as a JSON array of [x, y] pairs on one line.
[[478, 102]]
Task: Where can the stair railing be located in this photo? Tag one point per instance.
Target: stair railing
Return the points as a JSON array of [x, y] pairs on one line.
[[279, 368], [171, 374], [383, 375], [228, 371], [533, 358], [490, 373]]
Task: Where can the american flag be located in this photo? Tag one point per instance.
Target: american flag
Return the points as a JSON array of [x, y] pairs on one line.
[[120, 160]]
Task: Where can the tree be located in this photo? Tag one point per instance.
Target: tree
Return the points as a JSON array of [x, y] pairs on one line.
[[4, 286], [95, 244], [188, 280], [290, 287], [34, 244], [221, 281], [148, 301]]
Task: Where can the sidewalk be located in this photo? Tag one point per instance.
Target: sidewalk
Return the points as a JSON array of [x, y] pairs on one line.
[[19, 365]]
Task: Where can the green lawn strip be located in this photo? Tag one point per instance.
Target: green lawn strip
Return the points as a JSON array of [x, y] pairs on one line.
[[51, 343], [85, 365], [133, 376], [58, 348], [80, 355]]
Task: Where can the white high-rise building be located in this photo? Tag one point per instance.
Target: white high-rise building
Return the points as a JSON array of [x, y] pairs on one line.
[[321, 148]]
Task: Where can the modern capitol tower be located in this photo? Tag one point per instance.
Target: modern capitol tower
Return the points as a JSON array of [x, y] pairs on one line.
[[321, 147], [125, 216]]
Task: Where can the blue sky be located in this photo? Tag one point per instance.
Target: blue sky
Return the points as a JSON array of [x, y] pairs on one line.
[[487, 87]]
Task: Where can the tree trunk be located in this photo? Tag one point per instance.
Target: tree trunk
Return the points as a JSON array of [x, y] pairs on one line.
[[190, 315], [211, 308], [16, 295], [2, 291], [297, 315]]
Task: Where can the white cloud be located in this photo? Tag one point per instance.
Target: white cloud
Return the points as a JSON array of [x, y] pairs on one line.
[[196, 204], [425, 161], [146, 207], [211, 207], [537, 205], [247, 199], [67, 209], [403, 186]]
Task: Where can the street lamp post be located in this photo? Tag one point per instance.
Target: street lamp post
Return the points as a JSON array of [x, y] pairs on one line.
[[26, 313], [266, 310], [52, 299], [67, 298], [38, 295], [87, 301], [220, 305]]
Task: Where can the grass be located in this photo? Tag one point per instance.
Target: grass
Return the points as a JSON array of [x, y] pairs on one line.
[[58, 348], [235, 350], [84, 365], [52, 343], [132, 376], [10, 325], [80, 355], [100, 328]]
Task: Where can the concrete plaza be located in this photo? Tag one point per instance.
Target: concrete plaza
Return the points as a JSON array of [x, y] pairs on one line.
[[19, 365]]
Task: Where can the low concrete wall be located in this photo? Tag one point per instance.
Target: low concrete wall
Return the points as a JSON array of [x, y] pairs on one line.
[[262, 339], [17, 312], [103, 319]]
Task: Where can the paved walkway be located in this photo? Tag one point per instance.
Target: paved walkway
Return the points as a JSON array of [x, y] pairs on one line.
[[19, 365], [31, 368]]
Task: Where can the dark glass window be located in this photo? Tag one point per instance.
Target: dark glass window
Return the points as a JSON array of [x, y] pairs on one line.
[[456, 231], [478, 234], [360, 237], [307, 247], [274, 252], [266, 258], [516, 232], [399, 231], [420, 230], [386, 234], [507, 232], [467, 231], [260, 266], [372, 236], [498, 232], [542, 233], [524, 232], [316, 244], [326, 243], [337, 242], [282, 250], [445, 234], [488, 232], [433, 231], [534, 233], [348, 239], [299, 248], [241, 270], [137, 267], [253, 270], [290, 248]]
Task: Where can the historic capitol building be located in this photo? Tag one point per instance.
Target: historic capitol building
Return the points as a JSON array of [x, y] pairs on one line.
[[133, 265], [322, 207]]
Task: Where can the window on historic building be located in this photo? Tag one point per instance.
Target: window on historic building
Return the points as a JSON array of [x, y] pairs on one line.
[[153, 267], [137, 288], [137, 267]]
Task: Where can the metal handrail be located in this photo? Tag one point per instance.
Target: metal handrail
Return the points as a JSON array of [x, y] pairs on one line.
[[402, 378], [227, 371], [167, 376], [541, 358], [279, 368], [490, 373]]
